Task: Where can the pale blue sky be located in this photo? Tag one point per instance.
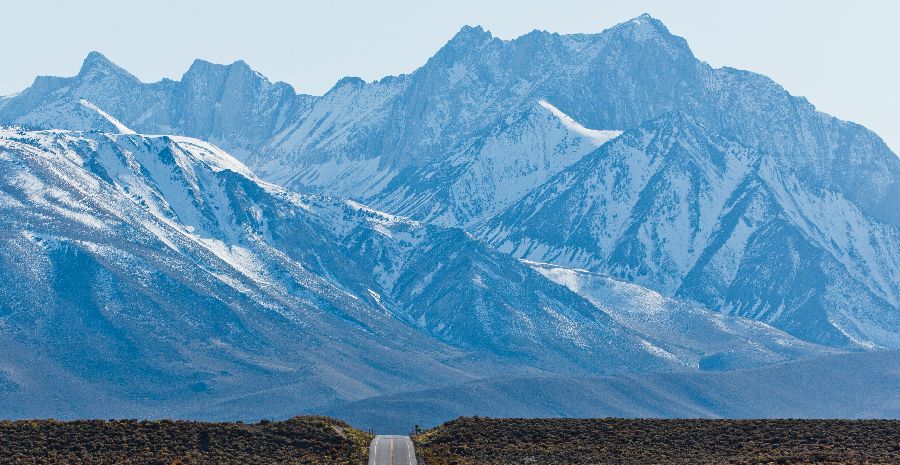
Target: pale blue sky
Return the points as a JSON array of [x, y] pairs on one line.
[[843, 56]]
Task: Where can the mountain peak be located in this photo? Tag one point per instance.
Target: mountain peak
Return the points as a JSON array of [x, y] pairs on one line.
[[646, 29], [351, 81], [200, 65], [96, 63], [468, 39], [676, 116], [203, 67], [241, 67], [471, 34], [643, 27], [95, 58], [645, 17], [646, 20]]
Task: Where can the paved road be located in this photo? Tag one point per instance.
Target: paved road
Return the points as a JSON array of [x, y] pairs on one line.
[[392, 450]]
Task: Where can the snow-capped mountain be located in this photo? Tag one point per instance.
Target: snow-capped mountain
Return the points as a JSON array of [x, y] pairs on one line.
[[366, 241], [128, 256], [671, 207], [139, 275], [352, 140]]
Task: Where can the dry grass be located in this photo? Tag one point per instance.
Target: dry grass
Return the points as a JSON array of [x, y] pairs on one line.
[[595, 441], [301, 440]]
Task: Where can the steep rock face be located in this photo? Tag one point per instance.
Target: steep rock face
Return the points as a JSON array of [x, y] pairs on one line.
[[820, 150], [673, 208], [232, 105], [666, 180], [336, 141], [809, 263]]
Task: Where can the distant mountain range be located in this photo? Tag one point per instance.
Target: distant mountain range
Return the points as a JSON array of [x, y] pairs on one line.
[[577, 205]]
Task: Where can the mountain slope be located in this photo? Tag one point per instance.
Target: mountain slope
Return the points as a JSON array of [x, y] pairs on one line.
[[498, 168], [682, 330], [162, 256], [150, 301], [673, 208]]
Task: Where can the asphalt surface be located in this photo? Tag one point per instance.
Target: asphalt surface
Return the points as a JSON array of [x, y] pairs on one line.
[[392, 450]]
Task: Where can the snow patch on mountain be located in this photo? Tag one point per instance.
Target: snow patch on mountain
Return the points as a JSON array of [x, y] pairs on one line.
[[116, 123], [596, 136]]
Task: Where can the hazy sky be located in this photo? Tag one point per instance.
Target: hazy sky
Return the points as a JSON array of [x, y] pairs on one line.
[[841, 55]]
